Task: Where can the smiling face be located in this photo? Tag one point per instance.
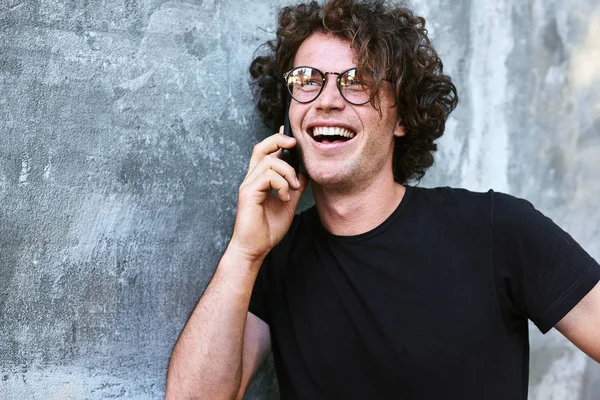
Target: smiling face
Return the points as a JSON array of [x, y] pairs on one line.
[[342, 145]]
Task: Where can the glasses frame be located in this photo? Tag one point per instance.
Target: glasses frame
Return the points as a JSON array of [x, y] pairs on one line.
[[324, 77]]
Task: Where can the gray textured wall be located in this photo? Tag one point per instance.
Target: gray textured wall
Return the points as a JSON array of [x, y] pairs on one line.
[[125, 128]]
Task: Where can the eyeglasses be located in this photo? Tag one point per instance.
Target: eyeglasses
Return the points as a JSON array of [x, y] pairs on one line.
[[305, 84]]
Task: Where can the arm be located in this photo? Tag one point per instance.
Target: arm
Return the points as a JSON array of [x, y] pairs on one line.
[[257, 344], [207, 361], [582, 324], [222, 345]]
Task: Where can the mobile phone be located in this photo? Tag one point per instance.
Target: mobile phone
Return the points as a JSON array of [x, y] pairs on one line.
[[290, 155]]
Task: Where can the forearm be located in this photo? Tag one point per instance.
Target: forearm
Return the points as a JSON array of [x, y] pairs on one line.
[[207, 359]]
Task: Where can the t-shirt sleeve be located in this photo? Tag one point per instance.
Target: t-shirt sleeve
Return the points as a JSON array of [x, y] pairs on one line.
[[546, 272], [258, 302]]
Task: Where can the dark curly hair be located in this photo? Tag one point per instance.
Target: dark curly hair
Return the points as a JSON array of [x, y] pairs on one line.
[[390, 41]]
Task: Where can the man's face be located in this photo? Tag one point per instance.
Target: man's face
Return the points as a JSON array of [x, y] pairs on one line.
[[333, 161]]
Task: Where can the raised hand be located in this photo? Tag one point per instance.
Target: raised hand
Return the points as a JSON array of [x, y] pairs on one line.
[[263, 218]]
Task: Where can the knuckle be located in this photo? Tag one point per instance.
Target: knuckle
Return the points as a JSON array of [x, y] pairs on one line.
[[289, 171], [278, 164], [242, 189], [271, 174], [256, 150], [267, 161], [284, 185]]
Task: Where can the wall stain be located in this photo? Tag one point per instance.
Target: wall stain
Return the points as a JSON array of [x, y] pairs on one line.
[[12, 4], [179, 128], [196, 44], [553, 42], [590, 135], [131, 174], [11, 244], [12, 66]]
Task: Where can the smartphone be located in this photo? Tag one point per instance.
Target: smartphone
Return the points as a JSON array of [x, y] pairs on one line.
[[290, 155]]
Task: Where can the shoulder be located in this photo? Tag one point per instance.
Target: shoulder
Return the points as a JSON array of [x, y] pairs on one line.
[[449, 195], [517, 220], [506, 204], [516, 214], [452, 202], [500, 202], [503, 211]]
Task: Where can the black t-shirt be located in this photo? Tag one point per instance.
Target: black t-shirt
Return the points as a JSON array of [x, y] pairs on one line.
[[431, 304]]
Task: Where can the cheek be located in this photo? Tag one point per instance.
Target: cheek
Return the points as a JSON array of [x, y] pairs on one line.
[[296, 113]]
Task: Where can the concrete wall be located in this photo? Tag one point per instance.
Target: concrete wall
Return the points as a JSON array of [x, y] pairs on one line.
[[125, 128]]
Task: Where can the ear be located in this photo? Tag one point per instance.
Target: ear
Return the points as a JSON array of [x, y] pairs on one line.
[[399, 129]]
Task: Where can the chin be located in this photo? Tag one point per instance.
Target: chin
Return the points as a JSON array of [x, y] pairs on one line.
[[330, 178]]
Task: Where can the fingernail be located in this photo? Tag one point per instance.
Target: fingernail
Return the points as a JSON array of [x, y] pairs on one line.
[[297, 182]]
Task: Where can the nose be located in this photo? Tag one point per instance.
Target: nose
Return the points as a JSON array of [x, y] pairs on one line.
[[330, 98]]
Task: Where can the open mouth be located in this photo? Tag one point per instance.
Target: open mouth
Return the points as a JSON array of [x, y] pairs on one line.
[[328, 134]]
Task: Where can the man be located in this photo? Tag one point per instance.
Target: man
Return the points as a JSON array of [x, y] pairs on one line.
[[382, 290]]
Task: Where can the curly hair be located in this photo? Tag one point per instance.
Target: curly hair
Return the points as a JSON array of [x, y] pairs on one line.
[[390, 41]]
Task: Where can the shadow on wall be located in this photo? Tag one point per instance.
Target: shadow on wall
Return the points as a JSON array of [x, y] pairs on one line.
[[10, 248]]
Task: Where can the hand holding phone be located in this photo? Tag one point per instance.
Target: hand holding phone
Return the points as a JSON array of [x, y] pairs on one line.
[[267, 199]]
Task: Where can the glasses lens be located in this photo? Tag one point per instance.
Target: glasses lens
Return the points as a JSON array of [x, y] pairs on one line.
[[355, 89], [304, 84]]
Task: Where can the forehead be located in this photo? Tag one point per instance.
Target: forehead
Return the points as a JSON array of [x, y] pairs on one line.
[[326, 52]]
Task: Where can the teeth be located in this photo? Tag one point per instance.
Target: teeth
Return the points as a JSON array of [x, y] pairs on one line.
[[332, 131]]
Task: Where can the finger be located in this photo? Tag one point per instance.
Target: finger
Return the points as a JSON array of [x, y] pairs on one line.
[[268, 146], [273, 181], [271, 162], [296, 194], [258, 187]]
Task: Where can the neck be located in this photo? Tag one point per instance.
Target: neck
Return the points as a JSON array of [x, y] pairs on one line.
[[356, 211]]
